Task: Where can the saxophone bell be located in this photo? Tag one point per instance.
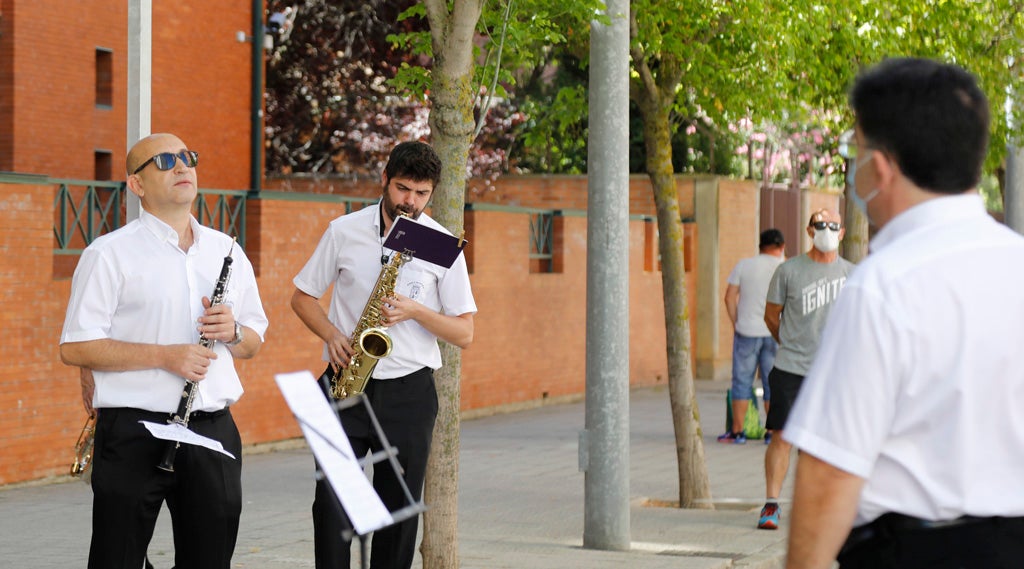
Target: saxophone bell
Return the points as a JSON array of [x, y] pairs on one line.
[[375, 342], [84, 447], [371, 341]]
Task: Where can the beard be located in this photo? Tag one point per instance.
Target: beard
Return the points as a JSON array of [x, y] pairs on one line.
[[394, 210]]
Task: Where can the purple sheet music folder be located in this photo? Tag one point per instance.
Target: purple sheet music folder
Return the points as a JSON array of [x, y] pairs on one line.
[[424, 243]]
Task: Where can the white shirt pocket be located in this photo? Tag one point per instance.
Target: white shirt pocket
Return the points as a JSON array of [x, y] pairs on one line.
[[419, 284]]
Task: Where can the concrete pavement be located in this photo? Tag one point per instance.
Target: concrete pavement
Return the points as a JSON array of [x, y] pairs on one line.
[[520, 500]]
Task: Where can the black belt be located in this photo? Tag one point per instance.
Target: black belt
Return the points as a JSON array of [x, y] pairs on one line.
[[159, 417], [891, 524], [206, 415]]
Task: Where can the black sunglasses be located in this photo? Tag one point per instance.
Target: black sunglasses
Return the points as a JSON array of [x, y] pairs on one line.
[[820, 225], [165, 160]]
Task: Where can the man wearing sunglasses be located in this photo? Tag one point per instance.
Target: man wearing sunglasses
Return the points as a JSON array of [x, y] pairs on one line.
[[909, 426], [800, 296], [138, 308]]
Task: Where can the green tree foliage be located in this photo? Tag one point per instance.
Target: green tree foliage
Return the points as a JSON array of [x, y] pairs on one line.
[[531, 88], [784, 68], [349, 79], [985, 37]]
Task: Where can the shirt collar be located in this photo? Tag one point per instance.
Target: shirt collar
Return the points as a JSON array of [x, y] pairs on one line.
[[937, 211], [164, 232], [378, 218]]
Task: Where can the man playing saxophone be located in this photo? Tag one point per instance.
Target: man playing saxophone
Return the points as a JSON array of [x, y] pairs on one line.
[[139, 306], [429, 302]]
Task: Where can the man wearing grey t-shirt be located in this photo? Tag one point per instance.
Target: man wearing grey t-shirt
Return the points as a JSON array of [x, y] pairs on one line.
[[800, 296]]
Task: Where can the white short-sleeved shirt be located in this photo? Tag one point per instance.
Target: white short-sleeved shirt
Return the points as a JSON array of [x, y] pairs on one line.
[[136, 285], [918, 381], [349, 257], [752, 275]]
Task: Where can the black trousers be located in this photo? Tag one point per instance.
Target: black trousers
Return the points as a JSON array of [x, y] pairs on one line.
[[203, 494], [406, 408], [978, 543]]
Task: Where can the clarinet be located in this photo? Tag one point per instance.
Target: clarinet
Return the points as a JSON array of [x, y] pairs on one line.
[[188, 395]]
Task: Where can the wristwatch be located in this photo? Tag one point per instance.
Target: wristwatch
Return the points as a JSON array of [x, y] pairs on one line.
[[238, 336]]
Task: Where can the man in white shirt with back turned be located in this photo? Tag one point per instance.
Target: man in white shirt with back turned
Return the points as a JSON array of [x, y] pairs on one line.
[[909, 423], [753, 347]]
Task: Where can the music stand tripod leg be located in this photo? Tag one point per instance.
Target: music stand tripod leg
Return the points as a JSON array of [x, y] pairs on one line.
[[347, 533]]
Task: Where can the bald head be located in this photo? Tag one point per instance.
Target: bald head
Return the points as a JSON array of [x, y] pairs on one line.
[[824, 214], [149, 146]]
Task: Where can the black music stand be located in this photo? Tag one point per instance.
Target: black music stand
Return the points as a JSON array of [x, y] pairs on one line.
[[387, 453]]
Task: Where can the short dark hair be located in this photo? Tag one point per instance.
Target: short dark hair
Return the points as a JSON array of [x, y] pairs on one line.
[[771, 238], [931, 118], [414, 160]]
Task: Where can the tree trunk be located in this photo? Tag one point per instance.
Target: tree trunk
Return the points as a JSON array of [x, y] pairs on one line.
[[855, 240], [451, 128], [440, 546], [694, 485]]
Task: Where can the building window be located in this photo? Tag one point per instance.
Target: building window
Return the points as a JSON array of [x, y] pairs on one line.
[[103, 165], [104, 77], [546, 229], [652, 253]]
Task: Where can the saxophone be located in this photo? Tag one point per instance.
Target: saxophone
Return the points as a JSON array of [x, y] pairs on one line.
[[371, 341], [84, 449]]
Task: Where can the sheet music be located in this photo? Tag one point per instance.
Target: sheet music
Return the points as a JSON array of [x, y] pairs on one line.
[[424, 243], [180, 433], [331, 448]]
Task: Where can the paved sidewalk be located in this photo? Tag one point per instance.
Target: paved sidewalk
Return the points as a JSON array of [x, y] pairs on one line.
[[520, 501]]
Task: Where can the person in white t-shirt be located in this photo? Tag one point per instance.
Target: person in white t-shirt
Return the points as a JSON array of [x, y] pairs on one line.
[[909, 422], [430, 302], [139, 306], [753, 348]]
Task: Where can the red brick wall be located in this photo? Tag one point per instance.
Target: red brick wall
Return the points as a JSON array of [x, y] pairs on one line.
[[739, 232], [531, 329], [534, 191], [55, 77], [530, 332], [207, 104], [40, 403], [529, 341], [48, 78]]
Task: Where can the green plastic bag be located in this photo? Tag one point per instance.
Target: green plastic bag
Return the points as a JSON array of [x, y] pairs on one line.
[[752, 427]]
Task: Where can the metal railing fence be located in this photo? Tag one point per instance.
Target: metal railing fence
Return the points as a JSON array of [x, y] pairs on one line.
[[84, 210]]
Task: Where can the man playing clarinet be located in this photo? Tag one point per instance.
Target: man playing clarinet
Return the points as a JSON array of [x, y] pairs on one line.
[[140, 317]]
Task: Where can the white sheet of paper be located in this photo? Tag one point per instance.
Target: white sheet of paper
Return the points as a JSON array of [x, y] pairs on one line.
[[180, 433], [330, 446]]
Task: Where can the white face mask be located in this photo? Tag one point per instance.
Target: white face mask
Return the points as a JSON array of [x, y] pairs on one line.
[[826, 240], [851, 179]]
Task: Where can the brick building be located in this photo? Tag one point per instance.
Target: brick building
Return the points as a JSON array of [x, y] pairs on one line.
[[62, 127]]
